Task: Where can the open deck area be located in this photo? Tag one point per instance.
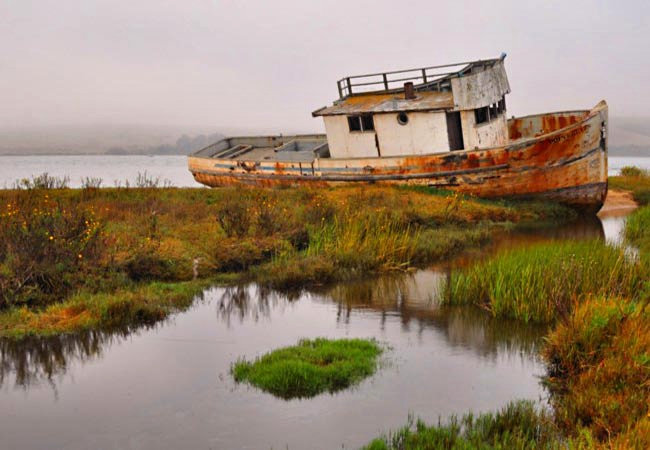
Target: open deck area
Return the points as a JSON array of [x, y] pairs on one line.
[[298, 148]]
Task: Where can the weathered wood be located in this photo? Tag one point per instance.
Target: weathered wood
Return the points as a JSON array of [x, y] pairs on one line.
[[557, 156]]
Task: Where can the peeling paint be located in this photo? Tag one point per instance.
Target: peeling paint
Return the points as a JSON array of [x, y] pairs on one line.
[[542, 159]]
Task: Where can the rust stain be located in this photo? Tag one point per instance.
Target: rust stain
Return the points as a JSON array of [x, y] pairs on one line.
[[565, 166]]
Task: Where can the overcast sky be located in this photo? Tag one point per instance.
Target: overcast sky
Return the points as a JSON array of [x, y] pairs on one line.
[[267, 64]]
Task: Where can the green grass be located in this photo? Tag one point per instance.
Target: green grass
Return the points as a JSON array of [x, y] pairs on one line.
[[519, 425], [637, 228], [311, 367], [542, 282]]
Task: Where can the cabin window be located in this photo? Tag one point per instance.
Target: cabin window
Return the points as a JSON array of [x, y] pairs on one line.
[[354, 122], [494, 111], [367, 122], [364, 122], [481, 115], [502, 105], [402, 118], [489, 113]]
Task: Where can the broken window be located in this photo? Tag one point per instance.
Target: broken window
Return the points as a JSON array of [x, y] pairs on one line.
[[354, 122], [364, 122], [494, 111], [502, 105], [367, 122], [481, 115]]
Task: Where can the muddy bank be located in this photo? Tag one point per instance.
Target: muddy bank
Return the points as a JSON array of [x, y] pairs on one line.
[[618, 202]]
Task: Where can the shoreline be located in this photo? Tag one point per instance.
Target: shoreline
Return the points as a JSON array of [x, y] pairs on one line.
[[618, 202]]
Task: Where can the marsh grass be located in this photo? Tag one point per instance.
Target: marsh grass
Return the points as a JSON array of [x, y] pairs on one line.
[[519, 425], [637, 229], [599, 369], [57, 242], [311, 367], [543, 282]]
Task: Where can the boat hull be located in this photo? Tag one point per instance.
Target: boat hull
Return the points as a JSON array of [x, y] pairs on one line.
[[559, 157]]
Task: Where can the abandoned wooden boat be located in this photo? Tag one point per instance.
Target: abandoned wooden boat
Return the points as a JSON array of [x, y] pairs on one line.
[[446, 126]]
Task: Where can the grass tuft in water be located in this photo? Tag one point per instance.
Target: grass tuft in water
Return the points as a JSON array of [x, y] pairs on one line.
[[311, 367], [542, 282], [519, 425]]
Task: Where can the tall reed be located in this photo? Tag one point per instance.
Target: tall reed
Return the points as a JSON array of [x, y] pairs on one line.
[[365, 242], [542, 282]]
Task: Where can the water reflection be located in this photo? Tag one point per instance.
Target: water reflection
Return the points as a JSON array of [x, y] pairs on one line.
[[415, 298], [33, 360], [411, 299]]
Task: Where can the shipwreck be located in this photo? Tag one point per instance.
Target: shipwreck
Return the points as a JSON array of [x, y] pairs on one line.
[[443, 126]]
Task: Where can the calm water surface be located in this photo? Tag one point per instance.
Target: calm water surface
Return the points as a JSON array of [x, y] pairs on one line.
[[111, 168], [169, 386]]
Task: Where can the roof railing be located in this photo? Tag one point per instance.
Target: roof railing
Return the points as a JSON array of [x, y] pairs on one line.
[[424, 77]]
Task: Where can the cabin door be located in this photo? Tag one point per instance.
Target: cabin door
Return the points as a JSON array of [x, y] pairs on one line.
[[455, 131]]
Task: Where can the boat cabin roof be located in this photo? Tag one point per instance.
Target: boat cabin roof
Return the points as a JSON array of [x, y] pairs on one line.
[[434, 88], [388, 102]]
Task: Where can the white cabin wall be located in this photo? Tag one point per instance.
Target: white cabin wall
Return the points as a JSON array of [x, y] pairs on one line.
[[345, 144], [490, 134], [425, 132]]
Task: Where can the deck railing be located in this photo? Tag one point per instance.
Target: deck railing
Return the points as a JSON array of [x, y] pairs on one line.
[[394, 80]]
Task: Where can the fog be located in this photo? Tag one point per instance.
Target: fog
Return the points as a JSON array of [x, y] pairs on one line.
[[220, 65]]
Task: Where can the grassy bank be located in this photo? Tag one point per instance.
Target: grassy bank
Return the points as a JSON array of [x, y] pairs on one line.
[[140, 304], [58, 245], [597, 353], [634, 180], [311, 367]]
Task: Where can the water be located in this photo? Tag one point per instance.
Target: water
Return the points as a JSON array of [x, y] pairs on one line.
[[112, 168], [168, 386]]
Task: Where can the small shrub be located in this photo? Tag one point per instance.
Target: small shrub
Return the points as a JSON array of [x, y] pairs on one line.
[[311, 367], [295, 272], [45, 250], [149, 266], [43, 181], [234, 216], [147, 181], [631, 171], [88, 183]]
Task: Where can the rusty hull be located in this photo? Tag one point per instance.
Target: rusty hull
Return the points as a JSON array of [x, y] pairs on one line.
[[557, 156]]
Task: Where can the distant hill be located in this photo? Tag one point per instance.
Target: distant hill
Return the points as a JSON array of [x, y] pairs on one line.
[[628, 136], [116, 139], [184, 145]]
